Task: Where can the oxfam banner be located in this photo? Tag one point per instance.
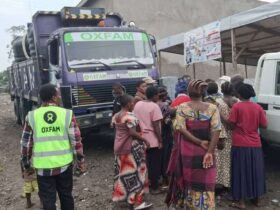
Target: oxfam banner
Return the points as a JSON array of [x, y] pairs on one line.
[[104, 36], [203, 44]]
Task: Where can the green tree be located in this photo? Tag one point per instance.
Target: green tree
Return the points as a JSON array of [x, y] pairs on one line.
[[4, 81], [14, 31], [17, 30]]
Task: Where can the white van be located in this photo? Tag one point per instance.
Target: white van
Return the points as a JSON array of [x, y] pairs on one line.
[[267, 87]]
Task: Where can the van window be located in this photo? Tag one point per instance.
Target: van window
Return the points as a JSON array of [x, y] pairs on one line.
[[277, 91]]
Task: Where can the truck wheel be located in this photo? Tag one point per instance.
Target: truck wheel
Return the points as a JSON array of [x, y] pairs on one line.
[[24, 109], [16, 111], [33, 106]]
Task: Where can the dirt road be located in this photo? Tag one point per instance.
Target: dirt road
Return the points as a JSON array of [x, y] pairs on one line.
[[92, 190]]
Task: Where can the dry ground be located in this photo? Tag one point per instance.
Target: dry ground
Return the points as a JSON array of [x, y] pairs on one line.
[[92, 190]]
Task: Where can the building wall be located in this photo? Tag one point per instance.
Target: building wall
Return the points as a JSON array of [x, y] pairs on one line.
[[163, 18]]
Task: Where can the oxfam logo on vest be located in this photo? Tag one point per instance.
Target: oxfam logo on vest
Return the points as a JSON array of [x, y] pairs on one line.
[[50, 117]]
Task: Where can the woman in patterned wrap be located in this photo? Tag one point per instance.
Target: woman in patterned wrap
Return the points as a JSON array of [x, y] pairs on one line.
[[130, 180], [192, 164], [224, 144]]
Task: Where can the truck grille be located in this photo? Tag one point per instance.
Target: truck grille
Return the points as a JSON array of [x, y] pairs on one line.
[[98, 93]]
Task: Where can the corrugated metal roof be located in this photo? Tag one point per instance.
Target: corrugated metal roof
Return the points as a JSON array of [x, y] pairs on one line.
[[257, 30]]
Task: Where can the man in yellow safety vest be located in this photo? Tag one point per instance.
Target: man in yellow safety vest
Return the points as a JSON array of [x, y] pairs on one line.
[[50, 143]]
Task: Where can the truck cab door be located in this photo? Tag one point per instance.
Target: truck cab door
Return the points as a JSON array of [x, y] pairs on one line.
[[55, 65]]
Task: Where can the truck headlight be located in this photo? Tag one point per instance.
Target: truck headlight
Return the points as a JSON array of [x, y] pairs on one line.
[[84, 122]]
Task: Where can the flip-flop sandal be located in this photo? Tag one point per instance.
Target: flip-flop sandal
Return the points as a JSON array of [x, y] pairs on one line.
[[219, 201], [143, 205], [164, 187], [29, 207], [236, 206], [157, 192]]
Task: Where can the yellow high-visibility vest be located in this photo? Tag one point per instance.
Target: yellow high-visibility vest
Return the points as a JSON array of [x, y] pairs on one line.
[[52, 147]]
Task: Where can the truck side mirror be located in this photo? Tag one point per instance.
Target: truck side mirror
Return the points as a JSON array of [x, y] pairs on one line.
[[153, 39], [154, 44], [58, 74]]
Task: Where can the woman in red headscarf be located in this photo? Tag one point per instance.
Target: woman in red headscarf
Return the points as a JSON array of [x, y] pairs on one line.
[[192, 164]]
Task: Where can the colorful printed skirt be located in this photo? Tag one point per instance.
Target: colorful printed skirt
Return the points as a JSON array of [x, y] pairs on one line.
[[195, 200], [131, 176], [191, 186], [224, 164]]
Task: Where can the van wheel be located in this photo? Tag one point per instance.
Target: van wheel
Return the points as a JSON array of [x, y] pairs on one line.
[[16, 111]]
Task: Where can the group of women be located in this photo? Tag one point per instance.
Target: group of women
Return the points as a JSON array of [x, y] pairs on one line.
[[215, 142]]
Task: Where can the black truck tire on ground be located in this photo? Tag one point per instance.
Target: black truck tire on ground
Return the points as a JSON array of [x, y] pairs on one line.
[[23, 109], [16, 111], [33, 106]]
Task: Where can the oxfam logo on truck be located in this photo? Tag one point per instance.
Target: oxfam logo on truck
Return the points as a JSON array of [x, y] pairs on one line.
[[107, 36], [104, 36]]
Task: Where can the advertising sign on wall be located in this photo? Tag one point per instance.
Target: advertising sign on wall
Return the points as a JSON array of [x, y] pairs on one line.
[[203, 44]]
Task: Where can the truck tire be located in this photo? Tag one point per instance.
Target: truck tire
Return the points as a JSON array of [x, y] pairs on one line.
[[33, 53], [19, 59], [23, 110], [21, 48], [25, 47], [16, 111], [31, 40], [17, 47]]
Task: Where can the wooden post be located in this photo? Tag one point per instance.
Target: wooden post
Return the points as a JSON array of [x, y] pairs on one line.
[[246, 70], [159, 62], [186, 69], [221, 70], [247, 45], [233, 50], [224, 67], [194, 76]]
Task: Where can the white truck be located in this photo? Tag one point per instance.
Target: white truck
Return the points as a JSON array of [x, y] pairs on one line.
[[267, 86]]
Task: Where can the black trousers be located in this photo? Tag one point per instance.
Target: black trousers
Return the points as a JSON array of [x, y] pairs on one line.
[[62, 184], [154, 166], [167, 140]]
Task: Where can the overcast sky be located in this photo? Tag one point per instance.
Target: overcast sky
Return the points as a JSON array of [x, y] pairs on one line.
[[19, 12]]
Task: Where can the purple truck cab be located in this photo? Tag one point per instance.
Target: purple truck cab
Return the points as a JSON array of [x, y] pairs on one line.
[[84, 52]]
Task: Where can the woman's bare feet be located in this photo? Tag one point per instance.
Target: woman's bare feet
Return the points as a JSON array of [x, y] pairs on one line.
[[238, 205], [257, 202]]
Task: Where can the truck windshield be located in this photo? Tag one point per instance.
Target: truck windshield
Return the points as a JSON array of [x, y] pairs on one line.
[[109, 48]]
